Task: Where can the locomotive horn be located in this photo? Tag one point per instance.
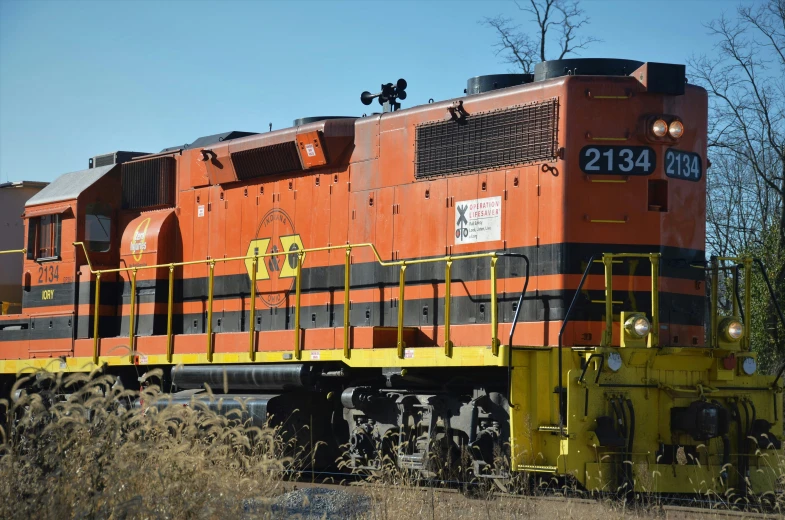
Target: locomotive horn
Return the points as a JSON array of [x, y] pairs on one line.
[[367, 98], [388, 97]]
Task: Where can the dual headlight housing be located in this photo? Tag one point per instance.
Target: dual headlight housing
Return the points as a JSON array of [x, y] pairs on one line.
[[664, 128]]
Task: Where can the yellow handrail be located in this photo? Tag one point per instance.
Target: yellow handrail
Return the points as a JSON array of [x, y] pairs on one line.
[[608, 261], [494, 310], [746, 262], [132, 315], [447, 284], [96, 317], [252, 313], [4, 306], [210, 292], [346, 303], [170, 303], [296, 305], [403, 264], [401, 297]]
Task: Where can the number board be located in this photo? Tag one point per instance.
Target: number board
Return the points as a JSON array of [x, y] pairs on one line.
[[618, 160], [683, 165]]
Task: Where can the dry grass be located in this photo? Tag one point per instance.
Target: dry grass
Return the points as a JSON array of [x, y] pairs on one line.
[[77, 447], [95, 455]]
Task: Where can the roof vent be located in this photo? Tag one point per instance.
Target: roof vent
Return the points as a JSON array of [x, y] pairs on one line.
[[113, 158], [305, 120], [210, 140], [584, 67], [480, 84]]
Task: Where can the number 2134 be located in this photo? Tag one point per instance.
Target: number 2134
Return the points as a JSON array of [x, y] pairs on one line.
[[618, 160], [48, 273]]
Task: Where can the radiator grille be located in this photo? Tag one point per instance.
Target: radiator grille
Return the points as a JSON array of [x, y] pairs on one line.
[[492, 140], [148, 184], [267, 160]]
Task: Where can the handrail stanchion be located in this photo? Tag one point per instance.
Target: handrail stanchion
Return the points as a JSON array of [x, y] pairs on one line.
[[654, 258], [401, 290], [169, 315], [714, 301], [607, 335], [494, 310], [96, 315], [747, 301], [346, 303], [210, 290], [297, 305], [447, 282], [132, 315], [252, 311], [736, 301]]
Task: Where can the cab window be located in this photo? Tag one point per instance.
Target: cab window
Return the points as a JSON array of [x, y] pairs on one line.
[[98, 228], [43, 239]]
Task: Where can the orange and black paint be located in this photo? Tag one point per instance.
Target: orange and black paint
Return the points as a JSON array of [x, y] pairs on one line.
[[387, 179]]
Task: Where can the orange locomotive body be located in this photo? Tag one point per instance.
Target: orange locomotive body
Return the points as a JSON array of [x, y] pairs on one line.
[[420, 263], [401, 181]]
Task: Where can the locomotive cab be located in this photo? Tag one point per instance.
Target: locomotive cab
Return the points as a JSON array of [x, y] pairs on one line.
[[78, 207]]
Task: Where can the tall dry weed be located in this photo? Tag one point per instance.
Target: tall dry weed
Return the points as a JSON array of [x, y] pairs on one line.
[[78, 447]]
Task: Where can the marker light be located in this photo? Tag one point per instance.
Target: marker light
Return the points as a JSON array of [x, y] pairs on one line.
[[749, 365], [659, 128], [676, 129], [732, 329], [637, 327]]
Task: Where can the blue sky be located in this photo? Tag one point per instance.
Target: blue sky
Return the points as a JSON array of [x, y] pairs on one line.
[[81, 78]]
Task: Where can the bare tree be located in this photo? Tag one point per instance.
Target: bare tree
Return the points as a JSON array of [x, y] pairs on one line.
[[519, 48], [746, 184]]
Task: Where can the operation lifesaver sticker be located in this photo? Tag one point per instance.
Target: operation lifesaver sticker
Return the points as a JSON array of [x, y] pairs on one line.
[[478, 220]]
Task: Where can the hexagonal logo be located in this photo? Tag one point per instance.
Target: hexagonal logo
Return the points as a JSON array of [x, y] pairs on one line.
[[274, 274]]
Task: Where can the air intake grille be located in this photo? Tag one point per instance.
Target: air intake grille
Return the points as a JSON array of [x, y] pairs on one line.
[[148, 184], [267, 160], [103, 160], [492, 140]]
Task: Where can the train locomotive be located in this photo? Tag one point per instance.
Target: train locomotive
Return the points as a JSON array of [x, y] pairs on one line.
[[510, 282]]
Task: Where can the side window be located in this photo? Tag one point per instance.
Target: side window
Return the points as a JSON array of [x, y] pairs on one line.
[[98, 227], [43, 239]]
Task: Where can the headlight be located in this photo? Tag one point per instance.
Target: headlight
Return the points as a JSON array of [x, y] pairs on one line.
[[732, 329], [637, 327], [676, 129], [659, 128]]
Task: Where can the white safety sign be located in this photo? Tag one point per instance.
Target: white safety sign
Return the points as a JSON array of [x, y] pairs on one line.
[[478, 220]]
